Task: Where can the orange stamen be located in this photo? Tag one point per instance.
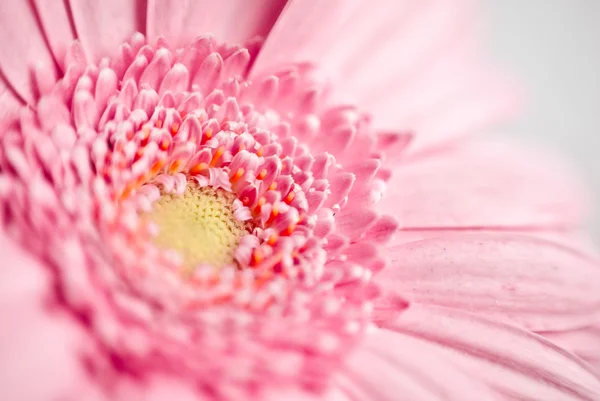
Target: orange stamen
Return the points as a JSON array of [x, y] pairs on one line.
[[207, 135], [157, 166], [146, 136], [273, 186], [174, 166], [289, 230], [262, 174], [260, 151], [274, 214], [164, 144], [174, 129], [126, 192], [158, 123], [262, 280], [272, 239], [257, 257], [218, 153], [259, 204], [198, 168], [290, 197], [238, 174]]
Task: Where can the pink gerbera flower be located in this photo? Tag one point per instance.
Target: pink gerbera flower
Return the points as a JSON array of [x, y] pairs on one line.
[[266, 200]]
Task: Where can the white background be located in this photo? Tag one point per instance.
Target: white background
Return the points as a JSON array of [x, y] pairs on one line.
[[554, 47]]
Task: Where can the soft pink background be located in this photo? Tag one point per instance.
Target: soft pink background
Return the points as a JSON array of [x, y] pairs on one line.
[[554, 46]]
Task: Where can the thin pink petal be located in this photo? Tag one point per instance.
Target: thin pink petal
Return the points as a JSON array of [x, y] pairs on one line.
[[103, 25], [485, 185], [296, 394], [391, 366], [57, 27], [38, 346], [583, 342], [229, 21], [9, 104], [576, 239], [517, 364], [22, 47], [537, 283]]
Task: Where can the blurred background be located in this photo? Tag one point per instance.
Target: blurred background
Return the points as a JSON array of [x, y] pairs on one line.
[[554, 47]]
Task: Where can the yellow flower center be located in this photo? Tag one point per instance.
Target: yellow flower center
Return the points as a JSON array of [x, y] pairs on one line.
[[199, 224]]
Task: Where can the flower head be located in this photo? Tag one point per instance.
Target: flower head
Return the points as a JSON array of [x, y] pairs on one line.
[[210, 215]]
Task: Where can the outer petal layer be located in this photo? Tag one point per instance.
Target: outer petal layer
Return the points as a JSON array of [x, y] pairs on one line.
[[534, 282], [104, 25], [584, 342], [230, 21], [419, 51], [9, 104], [515, 363], [39, 346], [54, 18], [22, 47], [392, 366], [484, 185]]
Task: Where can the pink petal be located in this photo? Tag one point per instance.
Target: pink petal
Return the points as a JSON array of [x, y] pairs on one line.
[[9, 104], [38, 346], [537, 283], [57, 27], [409, 44], [391, 367], [583, 342], [353, 223], [515, 363], [103, 25], [230, 21], [296, 394], [484, 185], [159, 388], [22, 47]]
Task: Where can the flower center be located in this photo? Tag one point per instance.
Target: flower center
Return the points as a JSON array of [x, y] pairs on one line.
[[199, 224]]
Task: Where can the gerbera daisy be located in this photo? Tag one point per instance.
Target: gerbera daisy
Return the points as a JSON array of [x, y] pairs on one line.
[[264, 200]]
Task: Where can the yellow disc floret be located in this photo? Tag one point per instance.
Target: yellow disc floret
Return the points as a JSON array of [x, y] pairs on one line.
[[199, 224]]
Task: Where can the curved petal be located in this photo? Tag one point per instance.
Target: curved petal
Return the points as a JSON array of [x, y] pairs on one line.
[[583, 342], [392, 366], [537, 283], [103, 25], [57, 26], [9, 105], [577, 239], [515, 363], [38, 346], [381, 54], [233, 22], [483, 185], [22, 48]]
